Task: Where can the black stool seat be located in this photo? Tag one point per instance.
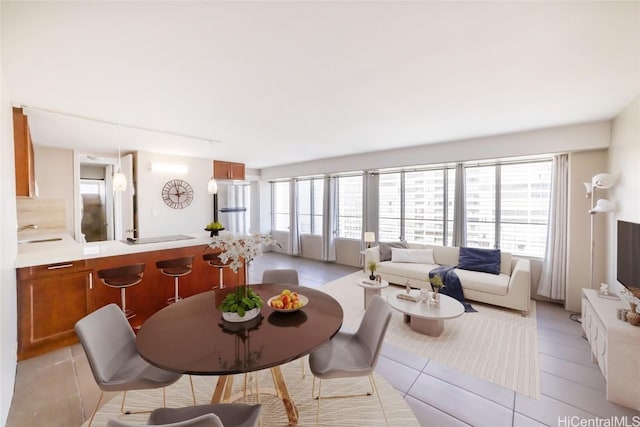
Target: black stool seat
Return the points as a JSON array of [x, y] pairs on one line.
[[122, 278], [176, 267]]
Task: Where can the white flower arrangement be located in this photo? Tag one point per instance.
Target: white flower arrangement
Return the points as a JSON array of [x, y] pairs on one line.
[[238, 248]]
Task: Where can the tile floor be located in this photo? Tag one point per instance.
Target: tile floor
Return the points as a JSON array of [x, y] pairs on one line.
[[57, 389]]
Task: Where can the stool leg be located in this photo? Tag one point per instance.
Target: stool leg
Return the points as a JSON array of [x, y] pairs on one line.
[[221, 278], [175, 281], [127, 313]]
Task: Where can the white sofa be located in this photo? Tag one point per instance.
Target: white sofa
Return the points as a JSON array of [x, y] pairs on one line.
[[510, 288]]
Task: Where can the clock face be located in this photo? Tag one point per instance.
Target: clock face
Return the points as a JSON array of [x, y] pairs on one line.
[[177, 194]]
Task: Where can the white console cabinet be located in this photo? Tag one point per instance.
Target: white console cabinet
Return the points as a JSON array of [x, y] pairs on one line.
[[615, 346]]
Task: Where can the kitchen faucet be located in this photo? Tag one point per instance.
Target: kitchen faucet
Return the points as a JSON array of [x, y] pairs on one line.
[[27, 227]]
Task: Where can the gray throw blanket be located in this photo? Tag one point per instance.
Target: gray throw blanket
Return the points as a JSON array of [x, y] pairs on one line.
[[452, 286]]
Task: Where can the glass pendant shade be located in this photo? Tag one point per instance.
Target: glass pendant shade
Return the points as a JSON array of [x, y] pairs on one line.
[[212, 187], [119, 181]]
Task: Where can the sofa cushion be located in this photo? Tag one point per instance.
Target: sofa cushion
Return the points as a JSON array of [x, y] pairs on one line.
[[497, 284], [385, 249], [505, 263], [406, 269], [418, 256], [445, 255], [482, 260]]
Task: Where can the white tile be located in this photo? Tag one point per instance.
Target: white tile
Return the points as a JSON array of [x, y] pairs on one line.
[[573, 372], [427, 415], [400, 376], [520, 420], [547, 410], [404, 357], [459, 403], [585, 398], [483, 388], [568, 353], [562, 338]]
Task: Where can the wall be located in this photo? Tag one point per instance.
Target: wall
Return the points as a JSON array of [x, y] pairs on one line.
[[54, 177], [587, 136], [8, 251], [583, 166], [624, 163], [155, 218]]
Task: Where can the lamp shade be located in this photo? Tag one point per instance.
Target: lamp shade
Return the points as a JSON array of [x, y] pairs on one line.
[[119, 181], [602, 206], [602, 180], [212, 187], [369, 236]]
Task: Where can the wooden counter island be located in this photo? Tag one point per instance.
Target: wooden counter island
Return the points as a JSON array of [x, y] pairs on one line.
[[58, 285]]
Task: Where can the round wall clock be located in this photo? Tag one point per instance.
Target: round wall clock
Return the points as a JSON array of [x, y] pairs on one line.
[[177, 194]]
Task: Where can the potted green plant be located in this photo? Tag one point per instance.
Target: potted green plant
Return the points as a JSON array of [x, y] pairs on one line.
[[241, 305], [436, 283], [373, 266]]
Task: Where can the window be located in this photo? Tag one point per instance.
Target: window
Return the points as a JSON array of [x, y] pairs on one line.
[[507, 207], [280, 206], [417, 206], [480, 197], [390, 207], [349, 210], [524, 205], [310, 196]]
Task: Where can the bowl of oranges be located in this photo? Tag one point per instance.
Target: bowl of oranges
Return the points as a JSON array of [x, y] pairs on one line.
[[287, 301]]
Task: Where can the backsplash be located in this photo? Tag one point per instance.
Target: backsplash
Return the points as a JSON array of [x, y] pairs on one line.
[[49, 215]]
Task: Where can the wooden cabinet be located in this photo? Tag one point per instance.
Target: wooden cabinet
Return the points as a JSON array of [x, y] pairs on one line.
[[228, 170], [615, 347], [51, 299], [24, 163]]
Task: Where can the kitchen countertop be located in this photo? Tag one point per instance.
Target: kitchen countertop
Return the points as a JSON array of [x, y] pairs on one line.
[[67, 249]]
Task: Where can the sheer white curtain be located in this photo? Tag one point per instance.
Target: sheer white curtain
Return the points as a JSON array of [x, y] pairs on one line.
[[329, 206], [459, 237], [294, 229], [553, 280]]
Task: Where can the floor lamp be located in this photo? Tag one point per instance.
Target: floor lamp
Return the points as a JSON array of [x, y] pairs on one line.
[[601, 181]]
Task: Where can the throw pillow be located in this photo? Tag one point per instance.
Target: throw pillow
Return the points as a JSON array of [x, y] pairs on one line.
[[416, 256], [385, 249], [483, 260]]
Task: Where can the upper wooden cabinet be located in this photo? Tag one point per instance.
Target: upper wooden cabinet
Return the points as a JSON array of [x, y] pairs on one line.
[[228, 170], [24, 164]]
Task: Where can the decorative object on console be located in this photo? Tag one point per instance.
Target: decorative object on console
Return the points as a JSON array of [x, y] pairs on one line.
[[632, 295], [601, 181]]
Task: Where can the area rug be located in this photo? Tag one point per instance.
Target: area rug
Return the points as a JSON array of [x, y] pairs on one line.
[[496, 344], [357, 411]]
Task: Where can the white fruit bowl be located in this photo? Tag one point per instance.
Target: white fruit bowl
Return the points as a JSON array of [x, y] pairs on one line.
[[304, 300]]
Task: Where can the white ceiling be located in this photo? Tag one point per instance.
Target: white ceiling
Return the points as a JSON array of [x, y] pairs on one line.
[[283, 82]]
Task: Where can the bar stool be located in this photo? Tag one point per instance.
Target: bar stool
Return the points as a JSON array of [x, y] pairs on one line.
[[213, 260], [122, 278], [175, 268]]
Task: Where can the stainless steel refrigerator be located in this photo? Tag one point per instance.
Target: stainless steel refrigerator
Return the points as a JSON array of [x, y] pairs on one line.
[[231, 206]]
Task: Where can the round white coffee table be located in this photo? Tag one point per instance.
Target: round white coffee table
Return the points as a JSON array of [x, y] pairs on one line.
[[424, 318], [370, 289]]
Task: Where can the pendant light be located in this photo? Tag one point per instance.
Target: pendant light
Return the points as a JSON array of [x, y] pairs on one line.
[[119, 179], [212, 186]]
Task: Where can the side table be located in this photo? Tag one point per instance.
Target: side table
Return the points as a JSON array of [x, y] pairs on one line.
[[371, 289]]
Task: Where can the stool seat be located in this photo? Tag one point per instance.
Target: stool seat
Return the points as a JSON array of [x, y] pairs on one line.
[[122, 278], [176, 267]]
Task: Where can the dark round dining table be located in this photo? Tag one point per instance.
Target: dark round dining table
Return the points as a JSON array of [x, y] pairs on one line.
[[190, 337]]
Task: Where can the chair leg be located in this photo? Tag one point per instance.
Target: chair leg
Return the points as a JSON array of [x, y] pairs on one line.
[[124, 396], [193, 391], [318, 407], [95, 410], [375, 389]]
